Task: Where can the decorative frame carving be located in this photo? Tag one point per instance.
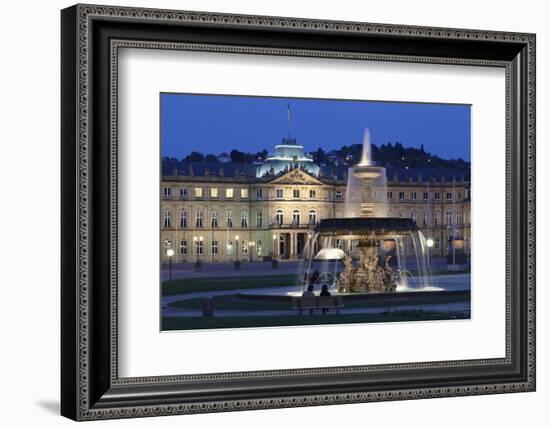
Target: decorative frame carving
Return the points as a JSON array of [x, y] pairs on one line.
[[91, 388]]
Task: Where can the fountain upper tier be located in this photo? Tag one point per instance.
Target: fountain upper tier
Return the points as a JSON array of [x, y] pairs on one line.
[[366, 227]]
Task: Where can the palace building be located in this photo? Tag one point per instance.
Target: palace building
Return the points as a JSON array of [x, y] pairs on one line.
[[225, 211]]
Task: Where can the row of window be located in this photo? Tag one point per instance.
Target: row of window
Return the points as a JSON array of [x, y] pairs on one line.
[[296, 193], [426, 196], [458, 218], [229, 222], [230, 192], [198, 245]]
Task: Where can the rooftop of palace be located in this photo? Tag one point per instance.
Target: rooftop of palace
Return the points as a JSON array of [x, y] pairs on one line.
[[216, 171]]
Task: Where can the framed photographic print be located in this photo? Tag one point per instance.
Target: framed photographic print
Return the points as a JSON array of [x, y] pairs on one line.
[[264, 212]]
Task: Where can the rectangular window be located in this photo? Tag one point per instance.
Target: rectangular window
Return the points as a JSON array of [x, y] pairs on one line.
[[244, 192], [259, 248], [167, 192], [214, 219], [401, 195], [244, 247], [296, 193], [437, 196], [213, 192], [183, 219], [183, 247], [390, 195], [229, 247], [437, 244], [229, 219], [214, 247], [459, 196], [413, 195], [425, 218], [198, 247], [424, 195], [437, 218], [198, 192], [244, 219], [167, 222], [183, 192], [449, 195], [279, 192], [228, 192], [167, 244], [339, 195], [312, 193], [259, 193]]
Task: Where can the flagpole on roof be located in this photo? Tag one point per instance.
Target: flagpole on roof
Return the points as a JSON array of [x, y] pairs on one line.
[[289, 116]]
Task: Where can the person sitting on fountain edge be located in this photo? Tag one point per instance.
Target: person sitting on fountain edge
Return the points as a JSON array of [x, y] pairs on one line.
[[324, 292], [308, 292]]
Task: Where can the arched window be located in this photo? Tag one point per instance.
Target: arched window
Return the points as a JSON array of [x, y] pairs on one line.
[[183, 219], [214, 219], [449, 217], [425, 218], [458, 217], [167, 219], [437, 218], [259, 219], [244, 219], [312, 217], [296, 217], [279, 217], [229, 216], [198, 219]]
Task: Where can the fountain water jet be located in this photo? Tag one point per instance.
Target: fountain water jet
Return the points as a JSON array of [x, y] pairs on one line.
[[368, 264]]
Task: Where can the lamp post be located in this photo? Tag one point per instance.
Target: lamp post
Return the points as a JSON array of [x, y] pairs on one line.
[[237, 263], [251, 245], [274, 264], [196, 240], [170, 253]]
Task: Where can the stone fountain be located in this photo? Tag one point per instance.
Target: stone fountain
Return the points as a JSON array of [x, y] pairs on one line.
[[367, 266]]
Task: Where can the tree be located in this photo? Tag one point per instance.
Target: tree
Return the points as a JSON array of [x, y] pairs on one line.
[[195, 156], [210, 157]]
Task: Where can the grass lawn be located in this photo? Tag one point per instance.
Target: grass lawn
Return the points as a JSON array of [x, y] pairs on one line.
[[183, 286], [233, 302], [290, 320]]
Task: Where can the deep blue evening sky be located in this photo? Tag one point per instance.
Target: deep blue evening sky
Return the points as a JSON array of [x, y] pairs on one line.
[[216, 124]]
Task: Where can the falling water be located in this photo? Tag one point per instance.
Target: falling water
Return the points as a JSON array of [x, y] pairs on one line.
[[354, 192]]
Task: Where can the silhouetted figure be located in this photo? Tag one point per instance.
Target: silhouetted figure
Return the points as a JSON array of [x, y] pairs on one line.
[[309, 291], [324, 292]]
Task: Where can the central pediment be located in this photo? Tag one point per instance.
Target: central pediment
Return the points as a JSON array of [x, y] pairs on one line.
[[297, 177]]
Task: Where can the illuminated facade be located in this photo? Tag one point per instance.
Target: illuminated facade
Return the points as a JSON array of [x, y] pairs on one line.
[[224, 214]]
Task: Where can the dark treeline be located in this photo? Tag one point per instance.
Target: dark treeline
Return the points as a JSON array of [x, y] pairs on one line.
[[388, 155]]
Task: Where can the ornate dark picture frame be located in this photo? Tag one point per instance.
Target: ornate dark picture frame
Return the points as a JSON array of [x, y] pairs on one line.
[[91, 387]]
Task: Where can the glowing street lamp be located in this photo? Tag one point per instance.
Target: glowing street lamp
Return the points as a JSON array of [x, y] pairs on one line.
[[274, 246], [170, 254], [430, 242], [251, 244]]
